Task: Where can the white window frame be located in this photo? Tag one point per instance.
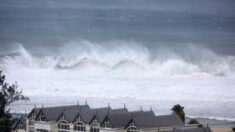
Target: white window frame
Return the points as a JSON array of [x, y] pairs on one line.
[[64, 122], [95, 126], [41, 116], [79, 123], [107, 124], [31, 125], [132, 128]]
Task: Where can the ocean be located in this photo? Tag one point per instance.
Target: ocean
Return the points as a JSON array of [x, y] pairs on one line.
[[154, 53]]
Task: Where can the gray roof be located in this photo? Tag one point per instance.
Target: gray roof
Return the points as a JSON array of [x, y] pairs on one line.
[[53, 113], [35, 110], [158, 121], [119, 118], [21, 120], [204, 129], [71, 112], [101, 113]]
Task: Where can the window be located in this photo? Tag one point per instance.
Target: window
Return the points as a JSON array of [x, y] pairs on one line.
[[31, 123], [41, 130], [95, 126], [63, 127], [132, 128], [107, 124], [79, 126], [33, 115], [42, 117], [31, 126], [21, 126], [31, 130]]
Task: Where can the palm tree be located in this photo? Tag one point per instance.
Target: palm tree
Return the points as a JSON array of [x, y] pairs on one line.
[[179, 110]]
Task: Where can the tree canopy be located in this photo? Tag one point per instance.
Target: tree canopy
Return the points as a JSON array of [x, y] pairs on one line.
[[8, 95], [179, 110]]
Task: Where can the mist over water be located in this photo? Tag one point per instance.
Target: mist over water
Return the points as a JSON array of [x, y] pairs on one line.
[[122, 57], [122, 52], [126, 72]]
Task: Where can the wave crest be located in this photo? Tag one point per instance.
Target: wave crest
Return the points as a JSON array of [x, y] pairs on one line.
[[123, 57]]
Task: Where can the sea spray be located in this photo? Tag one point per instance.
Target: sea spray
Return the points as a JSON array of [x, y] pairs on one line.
[[122, 57]]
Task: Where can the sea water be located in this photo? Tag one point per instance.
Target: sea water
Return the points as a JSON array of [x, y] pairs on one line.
[[138, 53]]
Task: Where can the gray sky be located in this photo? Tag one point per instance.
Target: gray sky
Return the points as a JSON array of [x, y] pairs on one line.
[[48, 23]]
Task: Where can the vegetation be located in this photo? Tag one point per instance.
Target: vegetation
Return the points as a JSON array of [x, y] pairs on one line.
[[194, 121], [5, 123], [233, 129], [179, 110], [8, 95]]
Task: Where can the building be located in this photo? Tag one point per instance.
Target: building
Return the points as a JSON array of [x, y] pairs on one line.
[[19, 124], [81, 118]]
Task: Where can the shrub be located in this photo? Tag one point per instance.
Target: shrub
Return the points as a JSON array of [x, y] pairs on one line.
[[194, 121]]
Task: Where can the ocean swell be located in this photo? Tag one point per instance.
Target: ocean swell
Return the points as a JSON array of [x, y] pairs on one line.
[[124, 58]]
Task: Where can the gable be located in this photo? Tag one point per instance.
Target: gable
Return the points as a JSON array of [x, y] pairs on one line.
[[41, 116], [62, 118], [94, 120], [106, 123], [131, 124], [78, 119]]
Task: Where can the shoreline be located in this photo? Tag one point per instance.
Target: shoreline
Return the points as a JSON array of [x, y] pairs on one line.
[[221, 129], [214, 123]]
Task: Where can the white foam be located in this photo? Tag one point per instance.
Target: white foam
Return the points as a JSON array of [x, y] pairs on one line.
[[125, 70]]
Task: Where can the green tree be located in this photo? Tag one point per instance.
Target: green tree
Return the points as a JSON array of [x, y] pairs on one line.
[[179, 110], [8, 95], [194, 121]]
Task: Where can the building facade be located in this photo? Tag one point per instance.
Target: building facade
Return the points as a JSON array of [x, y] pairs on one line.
[[82, 118]]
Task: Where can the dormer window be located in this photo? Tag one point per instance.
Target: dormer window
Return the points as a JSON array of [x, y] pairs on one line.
[[132, 128], [33, 115], [95, 126], [63, 126], [107, 124], [79, 126], [78, 119], [62, 118], [42, 117]]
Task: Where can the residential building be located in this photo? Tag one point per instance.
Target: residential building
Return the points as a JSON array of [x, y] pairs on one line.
[[82, 118]]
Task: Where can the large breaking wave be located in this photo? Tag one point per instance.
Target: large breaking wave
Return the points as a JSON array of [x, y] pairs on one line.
[[193, 76], [121, 57]]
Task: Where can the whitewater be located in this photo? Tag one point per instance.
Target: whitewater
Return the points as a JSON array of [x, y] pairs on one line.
[[125, 72], [153, 53]]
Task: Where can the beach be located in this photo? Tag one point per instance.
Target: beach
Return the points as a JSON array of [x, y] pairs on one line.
[[221, 129]]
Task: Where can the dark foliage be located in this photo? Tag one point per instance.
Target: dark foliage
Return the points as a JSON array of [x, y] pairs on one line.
[[5, 123], [194, 121], [179, 110], [8, 95]]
